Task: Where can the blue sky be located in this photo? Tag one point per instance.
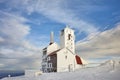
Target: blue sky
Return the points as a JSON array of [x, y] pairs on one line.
[[25, 26]]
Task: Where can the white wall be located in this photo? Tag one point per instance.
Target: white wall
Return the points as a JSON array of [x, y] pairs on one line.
[[64, 39], [51, 48], [63, 63]]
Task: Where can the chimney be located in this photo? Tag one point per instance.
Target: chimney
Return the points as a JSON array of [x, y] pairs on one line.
[[51, 38]]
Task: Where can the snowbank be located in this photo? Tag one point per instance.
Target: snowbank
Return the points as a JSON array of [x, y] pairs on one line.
[[109, 70], [32, 73]]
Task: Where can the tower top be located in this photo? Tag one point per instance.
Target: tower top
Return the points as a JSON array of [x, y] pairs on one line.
[[67, 26]]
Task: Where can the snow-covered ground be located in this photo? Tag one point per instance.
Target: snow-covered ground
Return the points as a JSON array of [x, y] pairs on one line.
[[109, 70]]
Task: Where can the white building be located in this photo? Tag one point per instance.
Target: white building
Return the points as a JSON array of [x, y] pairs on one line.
[[61, 58]]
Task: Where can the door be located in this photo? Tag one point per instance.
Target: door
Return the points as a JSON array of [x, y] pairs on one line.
[[70, 67]]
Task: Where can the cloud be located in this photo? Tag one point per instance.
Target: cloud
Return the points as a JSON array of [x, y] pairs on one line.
[[1, 39], [58, 11], [15, 49], [31, 62], [13, 28], [104, 45]]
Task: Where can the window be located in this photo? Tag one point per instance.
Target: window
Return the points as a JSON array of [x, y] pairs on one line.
[[66, 57], [69, 36], [49, 65], [48, 58], [44, 52]]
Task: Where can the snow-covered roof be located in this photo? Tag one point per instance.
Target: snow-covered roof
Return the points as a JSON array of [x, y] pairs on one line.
[[52, 53]]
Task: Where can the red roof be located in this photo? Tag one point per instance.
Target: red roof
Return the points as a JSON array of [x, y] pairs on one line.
[[78, 60]]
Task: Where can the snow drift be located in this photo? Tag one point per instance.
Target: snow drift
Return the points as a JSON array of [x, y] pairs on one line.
[[110, 70]]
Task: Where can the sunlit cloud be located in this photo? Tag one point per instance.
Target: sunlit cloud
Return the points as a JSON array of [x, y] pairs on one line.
[[14, 47], [105, 44]]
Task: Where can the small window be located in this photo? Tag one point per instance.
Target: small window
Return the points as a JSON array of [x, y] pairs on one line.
[[48, 58], [69, 36], [50, 65], [44, 52], [66, 57]]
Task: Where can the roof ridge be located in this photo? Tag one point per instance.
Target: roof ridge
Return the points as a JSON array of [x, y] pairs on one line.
[[70, 50]]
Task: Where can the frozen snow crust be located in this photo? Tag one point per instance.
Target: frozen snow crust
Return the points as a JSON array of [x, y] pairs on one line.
[[110, 70]]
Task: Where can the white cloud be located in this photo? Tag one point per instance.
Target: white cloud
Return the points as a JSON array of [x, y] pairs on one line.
[[15, 50], [56, 10], [13, 26], [13, 29], [1, 39], [105, 44]]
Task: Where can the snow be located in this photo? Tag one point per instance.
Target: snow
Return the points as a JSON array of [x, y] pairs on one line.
[[32, 72], [84, 61], [109, 70]]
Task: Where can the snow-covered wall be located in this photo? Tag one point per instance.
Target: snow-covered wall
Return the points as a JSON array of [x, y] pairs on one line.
[[52, 47]]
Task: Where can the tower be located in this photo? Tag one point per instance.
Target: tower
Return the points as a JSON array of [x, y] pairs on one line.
[[67, 39]]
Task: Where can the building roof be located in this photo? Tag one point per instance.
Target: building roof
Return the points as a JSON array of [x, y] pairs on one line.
[[78, 60], [52, 53], [69, 50]]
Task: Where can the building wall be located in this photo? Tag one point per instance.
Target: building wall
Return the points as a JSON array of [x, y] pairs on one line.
[[53, 60], [65, 60], [44, 64], [52, 47]]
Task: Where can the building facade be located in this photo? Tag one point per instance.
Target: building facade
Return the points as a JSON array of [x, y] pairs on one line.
[[61, 58]]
